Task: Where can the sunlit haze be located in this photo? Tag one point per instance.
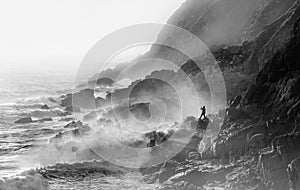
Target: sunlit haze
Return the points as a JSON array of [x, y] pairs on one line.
[[54, 35]]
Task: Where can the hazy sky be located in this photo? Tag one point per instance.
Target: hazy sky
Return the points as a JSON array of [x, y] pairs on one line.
[[56, 34]]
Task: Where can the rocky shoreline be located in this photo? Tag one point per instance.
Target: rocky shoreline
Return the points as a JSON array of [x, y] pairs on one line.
[[257, 145]]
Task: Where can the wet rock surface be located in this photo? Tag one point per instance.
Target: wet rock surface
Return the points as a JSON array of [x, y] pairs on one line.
[[258, 146], [294, 174]]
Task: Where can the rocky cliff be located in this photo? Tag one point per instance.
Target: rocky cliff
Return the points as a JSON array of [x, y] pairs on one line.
[[257, 45]]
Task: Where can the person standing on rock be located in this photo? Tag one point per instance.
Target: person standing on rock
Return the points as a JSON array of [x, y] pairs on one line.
[[202, 123], [203, 109]]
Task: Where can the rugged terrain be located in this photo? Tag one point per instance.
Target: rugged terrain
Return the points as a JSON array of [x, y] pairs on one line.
[[258, 145], [256, 44]]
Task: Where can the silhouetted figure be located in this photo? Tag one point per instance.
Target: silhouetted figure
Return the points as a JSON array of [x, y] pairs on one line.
[[203, 109]]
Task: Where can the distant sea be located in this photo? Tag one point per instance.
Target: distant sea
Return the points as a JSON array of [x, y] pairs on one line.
[[21, 95]]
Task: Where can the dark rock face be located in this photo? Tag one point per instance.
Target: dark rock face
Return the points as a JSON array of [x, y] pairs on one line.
[[274, 164], [24, 120], [294, 174], [277, 84], [228, 22], [254, 94], [231, 61], [261, 116], [264, 28], [236, 114], [235, 140], [258, 142]]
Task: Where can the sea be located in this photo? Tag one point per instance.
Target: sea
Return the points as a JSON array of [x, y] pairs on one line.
[[26, 160]]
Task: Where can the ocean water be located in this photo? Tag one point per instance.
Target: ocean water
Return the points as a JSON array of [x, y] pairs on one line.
[[26, 159]]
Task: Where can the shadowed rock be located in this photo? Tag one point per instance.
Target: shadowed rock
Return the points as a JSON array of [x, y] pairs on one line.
[[294, 174], [24, 120], [45, 107]]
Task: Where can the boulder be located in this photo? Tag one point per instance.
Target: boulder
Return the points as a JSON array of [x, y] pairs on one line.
[[105, 82], [24, 120], [44, 107]]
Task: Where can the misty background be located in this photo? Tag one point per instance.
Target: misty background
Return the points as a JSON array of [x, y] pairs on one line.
[[39, 38]]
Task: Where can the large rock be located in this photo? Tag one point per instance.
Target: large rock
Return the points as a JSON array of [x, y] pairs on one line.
[[105, 82], [45, 107], [82, 99], [24, 120]]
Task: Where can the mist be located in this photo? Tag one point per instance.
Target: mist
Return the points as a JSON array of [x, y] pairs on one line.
[[54, 36]]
